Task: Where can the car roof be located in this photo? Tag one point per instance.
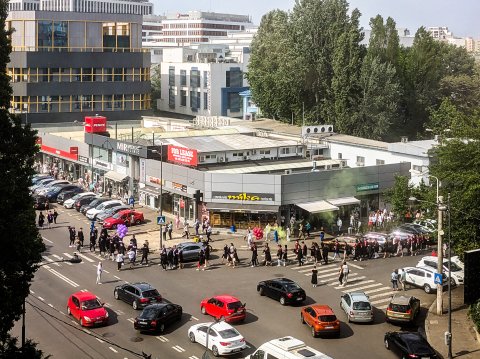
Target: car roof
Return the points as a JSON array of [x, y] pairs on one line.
[[156, 306], [226, 298], [142, 286], [127, 210], [111, 201], [413, 336], [358, 296], [426, 268], [322, 309], [218, 326], [281, 280], [84, 295], [401, 299]]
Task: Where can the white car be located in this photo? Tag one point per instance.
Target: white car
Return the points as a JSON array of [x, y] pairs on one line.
[[423, 277], [457, 272], [92, 213], [223, 339], [458, 262], [71, 201]]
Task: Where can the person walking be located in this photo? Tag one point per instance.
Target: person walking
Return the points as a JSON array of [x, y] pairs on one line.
[[55, 215], [403, 279], [300, 257], [132, 256], [345, 271], [314, 279], [170, 229], [225, 253], [163, 258], [49, 219], [170, 258], [288, 234], [93, 239], [78, 244], [308, 228], [305, 252], [207, 248], [180, 258], [340, 275], [185, 231], [279, 255], [208, 232], [99, 273], [145, 251], [268, 255], [41, 220], [201, 259], [336, 250], [196, 226], [175, 257], [80, 235], [394, 280], [325, 254], [285, 255], [254, 261], [119, 261]]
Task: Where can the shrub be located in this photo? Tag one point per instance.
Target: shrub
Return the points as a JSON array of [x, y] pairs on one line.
[[474, 314]]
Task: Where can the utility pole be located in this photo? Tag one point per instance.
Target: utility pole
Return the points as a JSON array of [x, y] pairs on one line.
[[440, 255]]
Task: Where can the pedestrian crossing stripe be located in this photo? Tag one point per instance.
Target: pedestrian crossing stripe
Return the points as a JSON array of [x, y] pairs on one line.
[[365, 287], [356, 283], [378, 290], [335, 269], [85, 257], [390, 293], [380, 301], [131, 320]]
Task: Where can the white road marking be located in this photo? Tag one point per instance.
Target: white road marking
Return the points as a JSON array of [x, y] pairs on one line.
[[162, 338], [358, 280], [87, 331], [380, 301], [61, 259], [178, 348], [31, 291], [365, 287], [119, 312], [113, 349], [106, 271], [335, 274], [193, 357], [47, 240], [116, 277], [51, 261], [62, 313], [383, 307], [194, 318], [74, 322], [332, 269], [100, 340], [85, 257], [377, 290], [381, 295], [84, 290], [62, 277], [355, 266], [43, 300], [131, 320], [51, 305]]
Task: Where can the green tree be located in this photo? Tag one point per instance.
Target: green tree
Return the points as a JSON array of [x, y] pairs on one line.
[[156, 85], [20, 237]]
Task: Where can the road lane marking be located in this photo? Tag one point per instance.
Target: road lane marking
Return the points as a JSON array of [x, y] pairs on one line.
[[47, 240], [87, 331], [131, 320], [178, 348], [335, 269], [358, 280], [381, 295], [62, 277], [62, 313], [31, 291], [193, 357], [367, 286], [50, 305], [377, 290], [119, 312], [355, 266], [113, 349], [100, 340], [116, 277], [351, 276], [380, 301], [162, 338], [85, 257], [51, 261], [334, 274], [194, 318], [43, 300]]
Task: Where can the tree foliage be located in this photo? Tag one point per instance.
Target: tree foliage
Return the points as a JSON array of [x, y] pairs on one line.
[[20, 238], [398, 196]]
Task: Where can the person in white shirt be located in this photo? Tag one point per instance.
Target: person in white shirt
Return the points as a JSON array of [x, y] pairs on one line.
[[119, 261], [345, 270], [99, 273]]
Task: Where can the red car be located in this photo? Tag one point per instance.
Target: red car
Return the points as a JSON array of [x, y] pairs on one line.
[[224, 306], [127, 217], [87, 309]]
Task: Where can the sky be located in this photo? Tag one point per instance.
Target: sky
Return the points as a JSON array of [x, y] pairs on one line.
[[460, 16]]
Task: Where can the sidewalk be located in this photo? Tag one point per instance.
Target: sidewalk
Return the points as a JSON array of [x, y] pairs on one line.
[[464, 344]]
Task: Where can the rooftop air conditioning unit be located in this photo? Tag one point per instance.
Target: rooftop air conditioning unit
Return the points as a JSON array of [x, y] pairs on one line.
[[288, 172], [316, 130]]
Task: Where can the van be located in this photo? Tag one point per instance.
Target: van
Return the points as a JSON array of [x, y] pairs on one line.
[[286, 348]]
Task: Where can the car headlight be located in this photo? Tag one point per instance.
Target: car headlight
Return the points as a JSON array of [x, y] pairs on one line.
[[87, 319]]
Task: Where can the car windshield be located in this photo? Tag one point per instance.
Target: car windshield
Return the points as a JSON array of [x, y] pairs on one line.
[[418, 346], [399, 308], [91, 304], [292, 286], [453, 266], [117, 215], [228, 333], [77, 196], [234, 305], [149, 313], [327, 318], [150, 293], [361, 306]]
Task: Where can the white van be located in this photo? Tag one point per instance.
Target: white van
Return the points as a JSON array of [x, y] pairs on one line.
[[457, 272], [286, 348]]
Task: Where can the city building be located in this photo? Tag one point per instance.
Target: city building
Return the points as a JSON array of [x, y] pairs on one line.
[[65, 65], [134, 7]]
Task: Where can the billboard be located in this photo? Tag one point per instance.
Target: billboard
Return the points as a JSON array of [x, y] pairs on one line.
[[182, 155], [94, 124]]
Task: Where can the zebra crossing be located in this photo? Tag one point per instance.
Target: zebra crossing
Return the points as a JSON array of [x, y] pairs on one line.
[[378, 293]]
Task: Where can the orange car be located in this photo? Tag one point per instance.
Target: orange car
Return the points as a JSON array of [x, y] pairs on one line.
[[321, 319]]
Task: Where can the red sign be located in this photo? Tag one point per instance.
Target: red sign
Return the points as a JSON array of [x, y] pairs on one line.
[[183, 155], [74, 150], [62, 153], [94, 124]]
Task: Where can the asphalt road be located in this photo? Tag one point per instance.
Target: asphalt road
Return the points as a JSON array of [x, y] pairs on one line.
[[60, 336]]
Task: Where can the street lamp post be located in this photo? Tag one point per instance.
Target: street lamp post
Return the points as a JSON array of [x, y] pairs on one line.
[[449, 330], [75, 259]]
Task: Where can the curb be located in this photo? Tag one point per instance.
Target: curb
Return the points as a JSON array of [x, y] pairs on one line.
[[431, 310]]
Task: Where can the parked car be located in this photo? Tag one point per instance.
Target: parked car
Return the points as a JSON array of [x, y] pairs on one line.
[[190, 250], [423, 277], [223, 339], [429, 224], [39, 179], [87, 309], [70, 202], [53, 193], [457, 272], [155, 317], [84, 201], [409, 345], [224, 307], [110, 212], [138, 295], [66, 195], [282, 289], [42, 190], [458, 262], [321, 319], [39, 202], [402, 308], [123, 217], [357, 307], [42, 182], [286, 348], [92, 212], [93, 204], [381, 238]]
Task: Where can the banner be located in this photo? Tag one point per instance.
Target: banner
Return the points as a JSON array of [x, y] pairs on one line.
[[183, 155]]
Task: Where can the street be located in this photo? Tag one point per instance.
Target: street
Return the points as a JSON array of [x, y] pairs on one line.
[[57, 334]]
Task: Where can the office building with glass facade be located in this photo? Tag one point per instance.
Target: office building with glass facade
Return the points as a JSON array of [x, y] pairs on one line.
[[66, 65]]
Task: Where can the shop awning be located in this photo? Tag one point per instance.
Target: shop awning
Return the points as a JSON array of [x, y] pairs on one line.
[[115, 176], [345, 201], [318, 206], [236, 207], [152, 191]]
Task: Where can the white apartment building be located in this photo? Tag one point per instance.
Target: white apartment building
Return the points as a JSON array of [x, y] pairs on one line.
[[134, 7], [200, 82]]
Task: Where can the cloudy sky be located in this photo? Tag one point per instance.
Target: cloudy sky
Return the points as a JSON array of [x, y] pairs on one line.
[[461, 16]]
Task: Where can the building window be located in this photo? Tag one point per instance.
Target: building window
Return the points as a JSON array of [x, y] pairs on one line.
[[234, 102], [194, 78], [285, 151], [205, 79], [183, 98], [194, 100], [205, 100], [360, 161], [171, 98], [380, 162], [234, 77], [183, 77], [171, 76], [264, 152], [340, 156], [237, 154]]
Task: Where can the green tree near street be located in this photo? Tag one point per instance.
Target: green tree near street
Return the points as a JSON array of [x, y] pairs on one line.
[[20, 239], [156, 85]]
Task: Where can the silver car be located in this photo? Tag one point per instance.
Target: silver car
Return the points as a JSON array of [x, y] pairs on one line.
[[190, 250], [357, 307]]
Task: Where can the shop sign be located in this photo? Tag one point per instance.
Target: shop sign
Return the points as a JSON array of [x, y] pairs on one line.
[[179, 186], [83, 159], [247, 197], [61, 153], [128, 148], [74, 150], [155, 180], [102, 164], [183, 155], [95, 124], [368, 187]]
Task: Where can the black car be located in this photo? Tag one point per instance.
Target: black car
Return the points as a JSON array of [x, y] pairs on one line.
[[39, 202], [63, 196], [139, 295], [155, 317], [55, 191], [282, 289], [84, 201], [409, 345], [93, 204]]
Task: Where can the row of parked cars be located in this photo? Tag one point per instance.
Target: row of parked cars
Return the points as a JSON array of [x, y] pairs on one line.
[[111, 213]]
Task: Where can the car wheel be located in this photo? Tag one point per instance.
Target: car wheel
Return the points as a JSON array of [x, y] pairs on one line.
[[135, 305], [137, 222], [215, 351], [283, 301], [427, 289], [452, 282], [302, 319], [69, 312], [261, 291], [115, 294], [161, 328], [314, 333], [387, 345], [203, 310], [80, 321], [191, 336]]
